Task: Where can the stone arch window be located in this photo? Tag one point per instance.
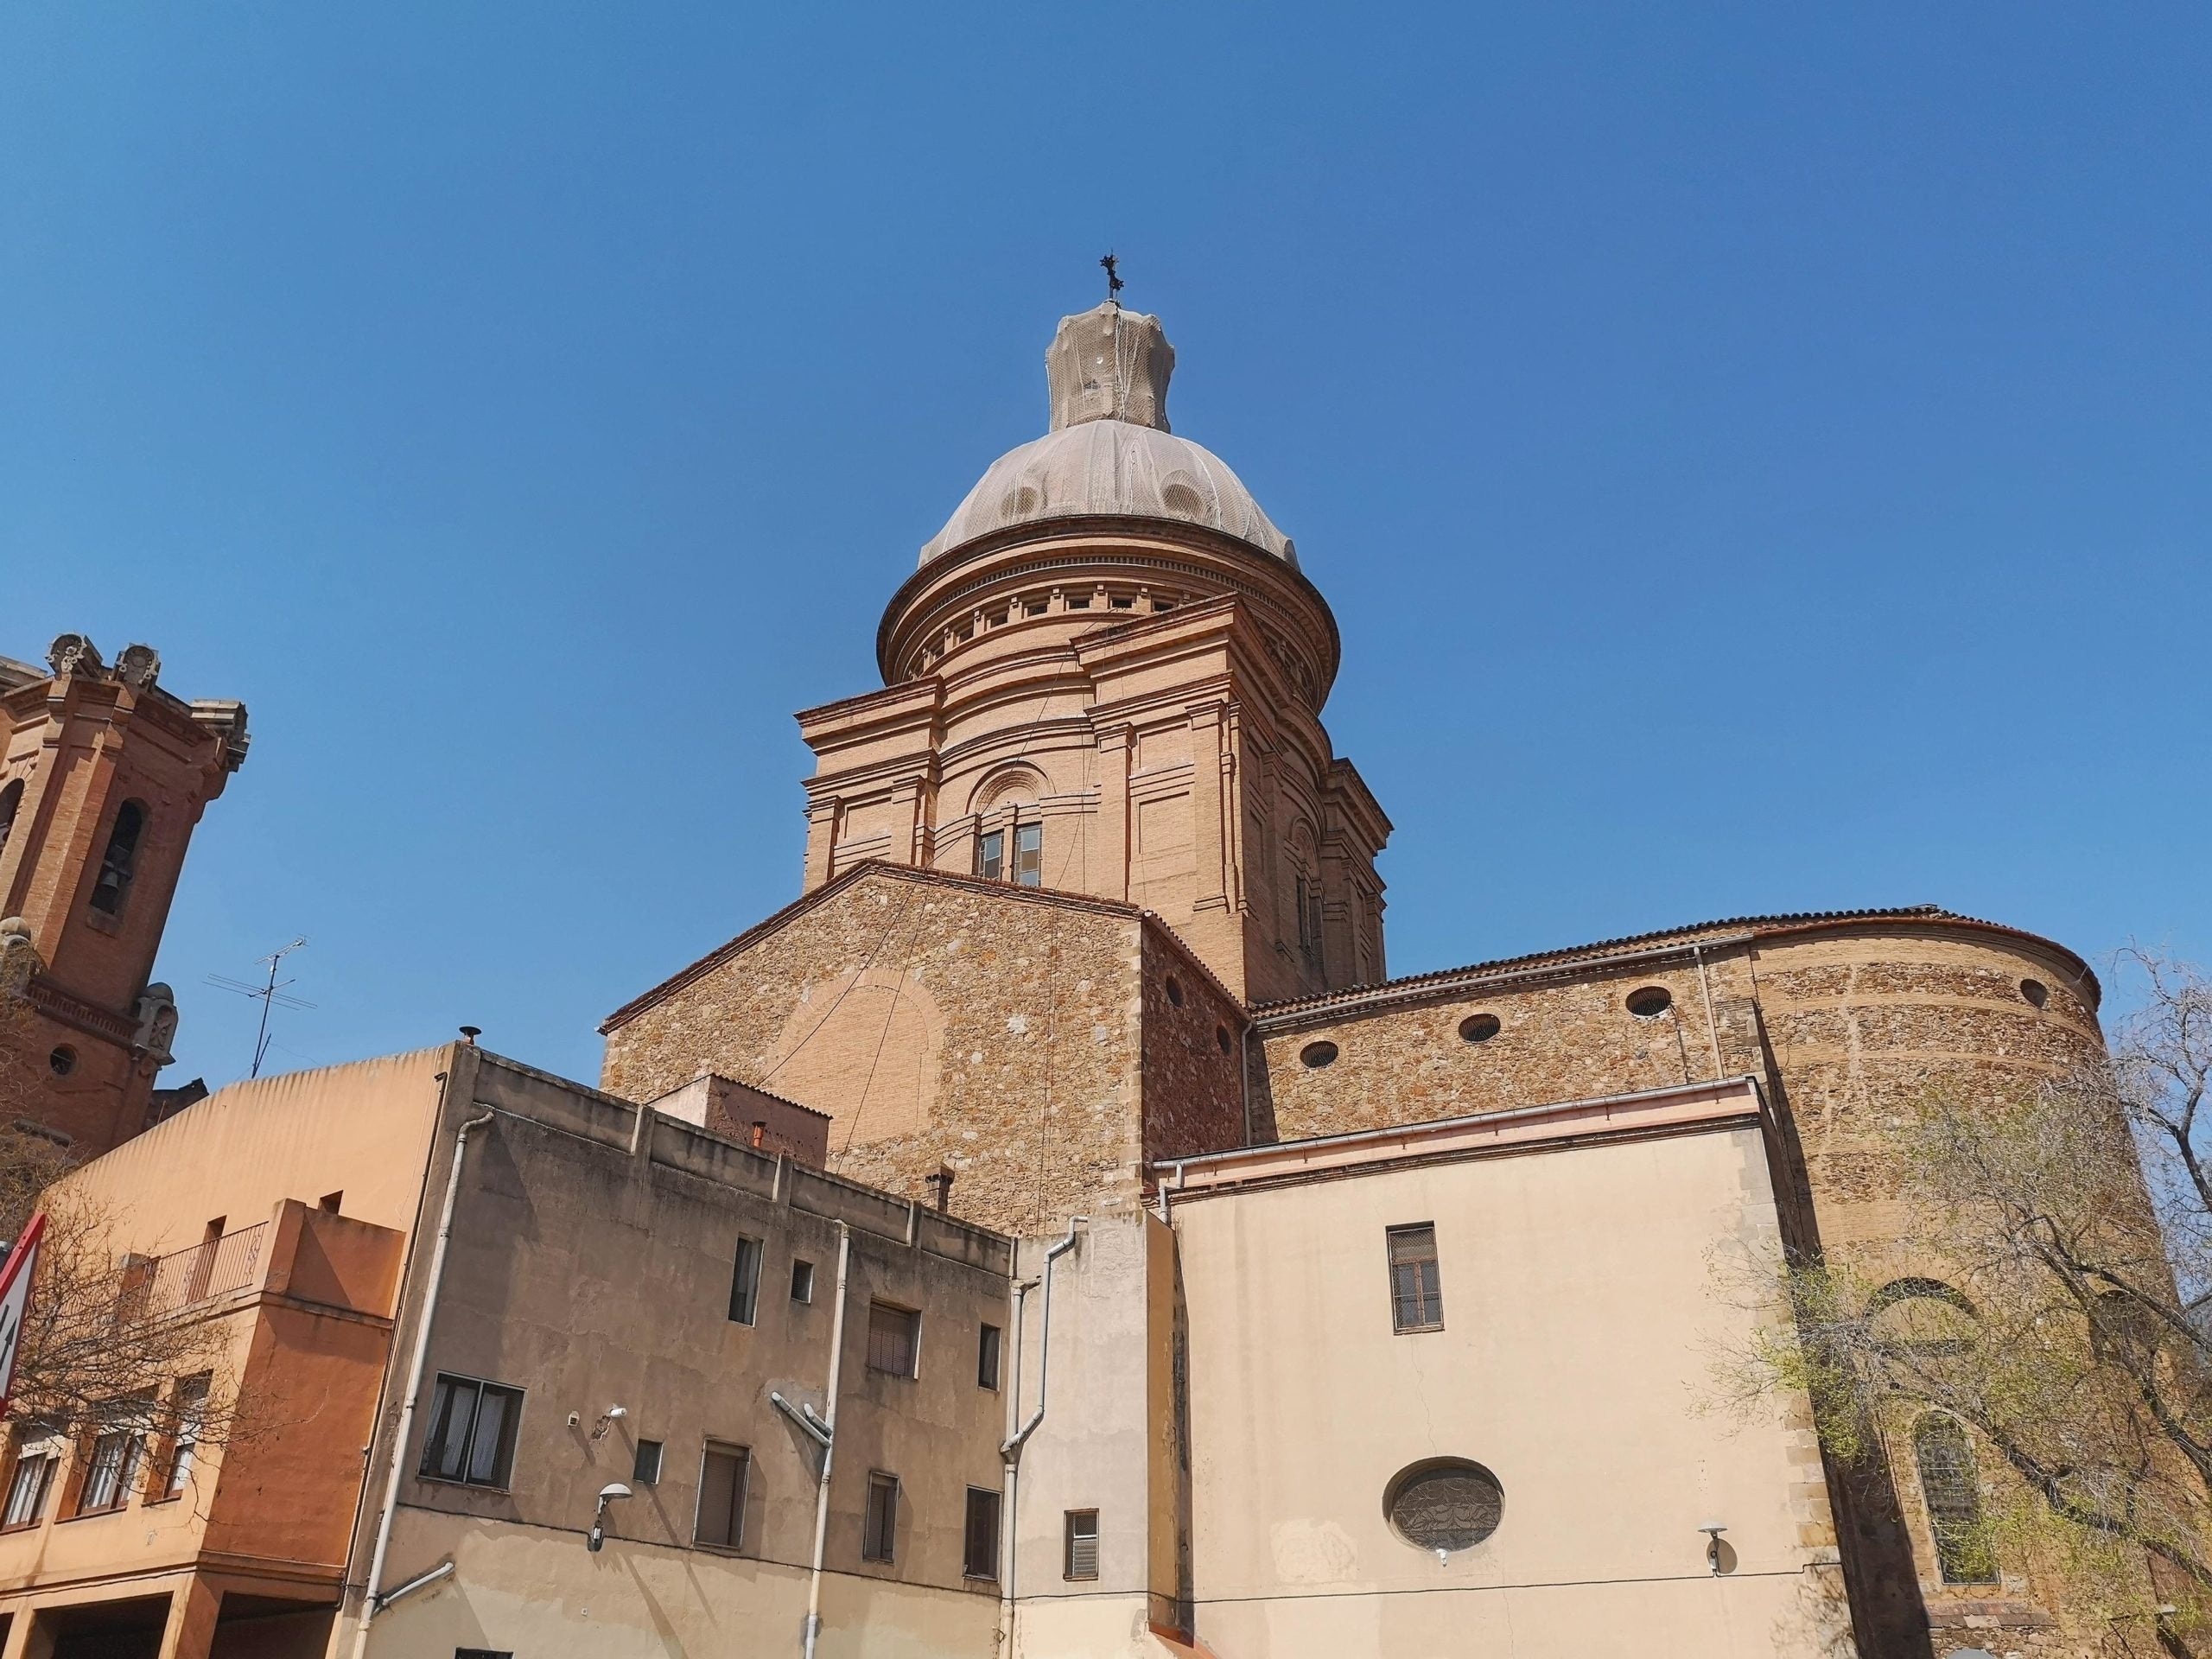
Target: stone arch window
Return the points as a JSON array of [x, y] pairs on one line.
[[1951, 1486], [1010, 827], [118, 865], [1921, 1317], [11, 801]]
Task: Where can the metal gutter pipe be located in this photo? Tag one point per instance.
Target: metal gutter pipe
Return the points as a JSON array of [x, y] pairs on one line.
[[827, 1435], [371, 1604], [1010, 1521]]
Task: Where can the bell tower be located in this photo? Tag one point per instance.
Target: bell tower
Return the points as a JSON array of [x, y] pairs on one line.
[[1106, 677], [102, 776]]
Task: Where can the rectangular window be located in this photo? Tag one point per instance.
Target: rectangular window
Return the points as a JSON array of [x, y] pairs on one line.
[[801, 1281], [721, 1496], [483, 1653], [27, 1489], [111, 1469], [1029, 855], [987, 1358], [981, 1554], [471, 1438], [1416, 1293], [644, 1468], [189, 1413], [1081, 1556], [990, 855], [745, 1281], [894, 1336], [880, 1527]]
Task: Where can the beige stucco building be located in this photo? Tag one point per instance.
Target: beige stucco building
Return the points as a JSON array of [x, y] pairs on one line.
[[1052, 1234]]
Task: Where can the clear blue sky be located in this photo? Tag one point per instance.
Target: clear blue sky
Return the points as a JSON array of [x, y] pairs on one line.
[[1761, 457]]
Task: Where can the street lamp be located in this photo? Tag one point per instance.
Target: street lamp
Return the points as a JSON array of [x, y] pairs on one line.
[[607, 1494]]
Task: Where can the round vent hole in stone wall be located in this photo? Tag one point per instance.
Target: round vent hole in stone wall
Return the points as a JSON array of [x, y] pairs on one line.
[[1444, 1504], [1175, 990], [1318, 1054], [1651, 1003], [62, 1061], [1479, 1028], [2035, 991]]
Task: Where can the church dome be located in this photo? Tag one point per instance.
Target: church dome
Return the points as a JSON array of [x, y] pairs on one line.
[[1110, 452]]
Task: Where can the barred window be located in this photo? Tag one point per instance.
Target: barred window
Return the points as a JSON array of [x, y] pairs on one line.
[[1952, 1487], [894, 1336], [1416, 1293]]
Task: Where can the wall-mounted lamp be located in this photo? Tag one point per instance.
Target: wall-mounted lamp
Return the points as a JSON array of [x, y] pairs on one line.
[[608, 1419], [607, 1494], [1712, 1530]]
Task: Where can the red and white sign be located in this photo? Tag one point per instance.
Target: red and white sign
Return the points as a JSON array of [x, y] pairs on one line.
[[15, 1302]]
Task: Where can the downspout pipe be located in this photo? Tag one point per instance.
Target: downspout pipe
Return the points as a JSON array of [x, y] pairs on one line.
[[372, 1604], [1011, 1518], [825, 1433]]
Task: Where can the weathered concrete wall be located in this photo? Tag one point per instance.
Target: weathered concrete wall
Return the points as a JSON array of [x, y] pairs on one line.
[[591, 1266], [1574, 1363]]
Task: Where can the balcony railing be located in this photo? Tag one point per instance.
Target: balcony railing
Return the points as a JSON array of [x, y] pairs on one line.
[[165, 1283]]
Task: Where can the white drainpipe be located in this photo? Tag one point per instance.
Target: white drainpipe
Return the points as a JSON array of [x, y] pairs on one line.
[[1012, 1449], [370, 1601], [827, 1437]]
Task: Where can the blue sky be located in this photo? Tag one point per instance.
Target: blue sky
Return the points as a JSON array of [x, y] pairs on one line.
[[1757, 456]]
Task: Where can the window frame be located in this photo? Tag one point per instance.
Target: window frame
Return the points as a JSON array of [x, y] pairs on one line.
[[1069, 1535], [990, 855], [990, 1355], [46, 1456], [1028, 861], [801, 1281], [994, 1505], [1426, 1297], [188, 1421], [1961, 1544], [746, 1261], [741, 1484], [912, 1316], [131, 1449], [501, 1477], [637, 1462], [879, 1519]]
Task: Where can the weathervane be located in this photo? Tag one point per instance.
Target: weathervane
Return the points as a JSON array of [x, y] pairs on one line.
[[1113, 279]]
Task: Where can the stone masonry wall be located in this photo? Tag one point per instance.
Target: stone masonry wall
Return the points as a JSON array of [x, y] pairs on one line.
[[1193, 1097], [1010, 1022]]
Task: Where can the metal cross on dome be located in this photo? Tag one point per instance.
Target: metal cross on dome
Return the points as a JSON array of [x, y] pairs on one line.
[[1112, 279]]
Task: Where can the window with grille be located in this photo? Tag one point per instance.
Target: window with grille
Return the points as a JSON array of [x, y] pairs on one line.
[[894, 1338], [1079, 1557], [745, 1281], [1416, 1293], [471, 1438], [721, 1496], [1952, 1488], [980, 1555], [189, 1412], [879, 1525], [27, 1489]]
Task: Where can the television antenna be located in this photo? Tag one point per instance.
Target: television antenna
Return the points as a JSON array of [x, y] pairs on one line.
[[270, 993]]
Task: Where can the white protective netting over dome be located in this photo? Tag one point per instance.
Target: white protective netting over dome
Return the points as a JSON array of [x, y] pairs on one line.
[[1109, 451]]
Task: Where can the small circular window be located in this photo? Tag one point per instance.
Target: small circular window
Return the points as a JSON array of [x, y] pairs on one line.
[[1318, 1054], [1479, 1028], [1220, 1039], [1651, 1003], [1445, 1504], [1175, 990], [62, 1061], [2035, 991]]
